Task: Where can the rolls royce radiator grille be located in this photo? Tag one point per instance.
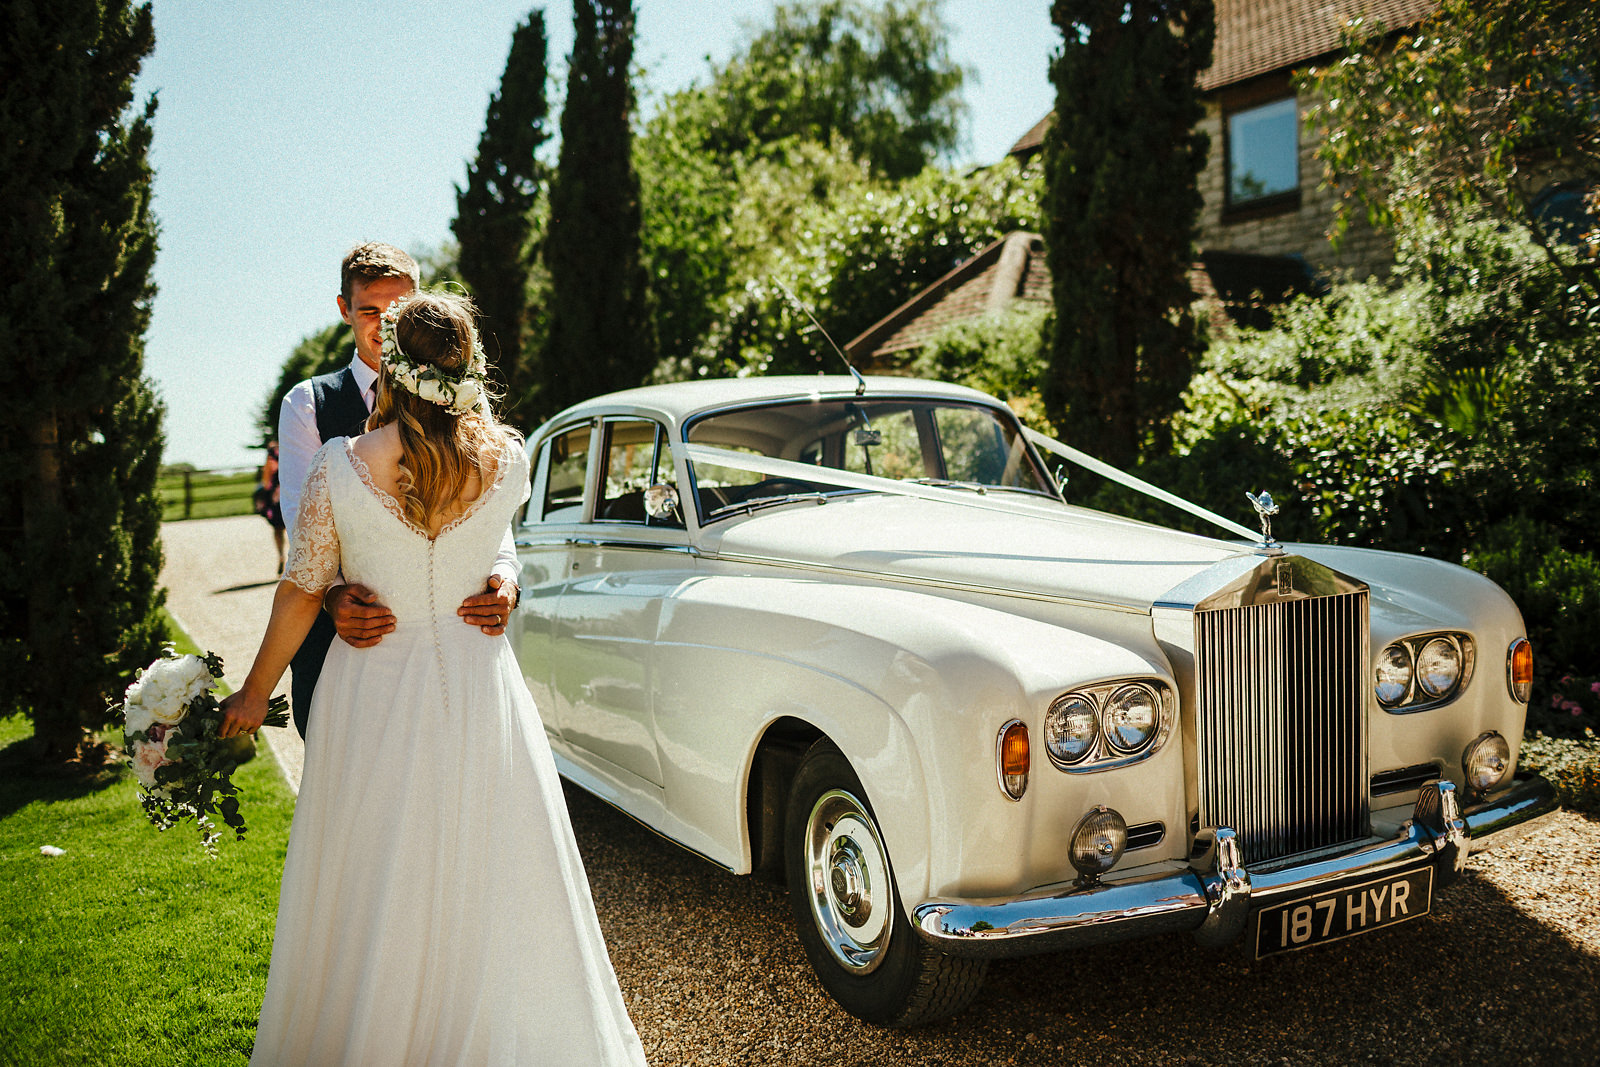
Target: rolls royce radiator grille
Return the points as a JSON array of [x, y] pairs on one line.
[[1279, 723]]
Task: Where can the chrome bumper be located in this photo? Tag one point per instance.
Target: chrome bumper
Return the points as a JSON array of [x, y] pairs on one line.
[[1216, 894]]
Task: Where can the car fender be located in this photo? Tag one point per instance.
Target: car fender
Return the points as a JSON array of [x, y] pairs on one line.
[[911, 685]]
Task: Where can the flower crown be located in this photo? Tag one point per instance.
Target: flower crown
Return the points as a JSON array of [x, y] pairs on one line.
[[456, 393]]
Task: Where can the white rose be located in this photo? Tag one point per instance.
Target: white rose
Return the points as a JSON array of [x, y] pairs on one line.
[[468, 394], [170, 684], [430, 389], [195, 676], [138, 719]]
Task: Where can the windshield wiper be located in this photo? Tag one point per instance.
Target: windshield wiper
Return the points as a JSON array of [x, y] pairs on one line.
[[981, 488], [946, 483]]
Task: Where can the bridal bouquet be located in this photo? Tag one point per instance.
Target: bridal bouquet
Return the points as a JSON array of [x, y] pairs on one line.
[[170, 722]]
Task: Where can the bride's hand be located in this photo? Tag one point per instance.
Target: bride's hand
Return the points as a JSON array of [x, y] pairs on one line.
[[242, 714]]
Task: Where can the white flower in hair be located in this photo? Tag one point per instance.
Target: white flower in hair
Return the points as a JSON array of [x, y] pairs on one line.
[[456, 393], [469, 393]]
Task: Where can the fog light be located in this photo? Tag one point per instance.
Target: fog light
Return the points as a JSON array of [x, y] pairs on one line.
[[1097, 843], [1519, 670], [1486, 761], [1013, 758]]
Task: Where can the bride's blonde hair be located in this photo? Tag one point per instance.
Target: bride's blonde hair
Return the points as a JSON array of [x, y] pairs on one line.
[[439, 449]]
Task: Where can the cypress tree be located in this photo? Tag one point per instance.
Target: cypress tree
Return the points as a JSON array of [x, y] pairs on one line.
[[495, 213], [80, 432], [1121, 216], [600, 335]]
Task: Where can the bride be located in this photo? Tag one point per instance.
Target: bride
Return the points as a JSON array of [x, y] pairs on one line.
[[434, 907]]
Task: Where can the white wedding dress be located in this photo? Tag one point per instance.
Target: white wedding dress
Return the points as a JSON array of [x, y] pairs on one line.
[[434, 906]]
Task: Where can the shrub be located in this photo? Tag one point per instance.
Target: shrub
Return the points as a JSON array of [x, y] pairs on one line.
[[1559, 593], [1572, 765], [1001, 353]]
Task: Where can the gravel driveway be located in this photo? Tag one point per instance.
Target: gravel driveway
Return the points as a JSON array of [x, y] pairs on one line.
[[1507, 970]]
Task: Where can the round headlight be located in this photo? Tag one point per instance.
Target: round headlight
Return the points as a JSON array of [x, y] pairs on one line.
[[1132, 715], [1098, 841], [1486, 761], [1394, 675], [1070, 727], [1439, 667]]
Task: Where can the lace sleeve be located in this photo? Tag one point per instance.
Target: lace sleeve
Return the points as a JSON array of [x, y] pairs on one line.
[[314, 543], [519, 471]]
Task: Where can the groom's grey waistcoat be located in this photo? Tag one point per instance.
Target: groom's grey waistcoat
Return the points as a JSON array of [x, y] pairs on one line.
[[341, 412]]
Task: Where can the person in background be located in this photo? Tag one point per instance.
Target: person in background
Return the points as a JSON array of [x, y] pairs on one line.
[[267, 500]]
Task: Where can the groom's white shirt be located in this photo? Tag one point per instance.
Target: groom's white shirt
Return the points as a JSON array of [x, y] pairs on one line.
[[299, 439]]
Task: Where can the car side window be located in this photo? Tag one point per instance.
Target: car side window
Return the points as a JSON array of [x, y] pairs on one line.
[[637, 457], [568, 463]]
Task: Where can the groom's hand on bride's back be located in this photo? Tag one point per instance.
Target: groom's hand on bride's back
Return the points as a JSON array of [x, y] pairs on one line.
[[358, 616], [490, 610]]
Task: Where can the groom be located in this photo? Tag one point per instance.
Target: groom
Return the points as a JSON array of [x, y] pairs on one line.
[[333, 405]]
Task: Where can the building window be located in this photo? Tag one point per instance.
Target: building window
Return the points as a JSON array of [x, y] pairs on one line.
[[1264, 155]]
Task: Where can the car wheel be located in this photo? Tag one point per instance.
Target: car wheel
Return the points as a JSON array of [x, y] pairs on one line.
[[847, 911]]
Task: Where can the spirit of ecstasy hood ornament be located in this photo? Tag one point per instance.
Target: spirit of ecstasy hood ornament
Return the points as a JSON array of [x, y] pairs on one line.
[[1265, 508]]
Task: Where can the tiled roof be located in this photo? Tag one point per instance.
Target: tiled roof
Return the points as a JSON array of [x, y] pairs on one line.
[[1033, 138], [989, 281], [1260, 36], [1256, 37], [1235, 286]]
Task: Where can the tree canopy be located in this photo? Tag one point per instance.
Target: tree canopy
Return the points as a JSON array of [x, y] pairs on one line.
[[878, 77], [600, 330], [1121, 161], [495, 211], [81, 433], [805, 163], [1490, 106]]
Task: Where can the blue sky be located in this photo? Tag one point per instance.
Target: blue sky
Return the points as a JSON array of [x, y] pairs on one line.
[[289, 130]]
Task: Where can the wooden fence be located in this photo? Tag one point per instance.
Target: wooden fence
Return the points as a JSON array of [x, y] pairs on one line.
[[206, 494]]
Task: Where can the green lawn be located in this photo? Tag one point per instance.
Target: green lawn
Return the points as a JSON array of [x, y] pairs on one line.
[[210, 495], [133, 948]]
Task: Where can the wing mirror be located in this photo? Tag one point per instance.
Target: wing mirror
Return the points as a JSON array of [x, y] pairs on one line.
[[661, 502]]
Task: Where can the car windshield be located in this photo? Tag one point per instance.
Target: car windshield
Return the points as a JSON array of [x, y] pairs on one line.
[[965, 446]]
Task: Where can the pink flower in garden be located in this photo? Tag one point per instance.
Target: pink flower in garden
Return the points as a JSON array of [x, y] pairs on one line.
[[1572, 706], [147, 756], [1594, 687]]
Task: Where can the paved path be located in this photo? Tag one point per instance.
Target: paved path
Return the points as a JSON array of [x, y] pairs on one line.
[[220, 575]]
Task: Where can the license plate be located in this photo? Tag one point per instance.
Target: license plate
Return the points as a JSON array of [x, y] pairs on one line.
[[1340, 913]]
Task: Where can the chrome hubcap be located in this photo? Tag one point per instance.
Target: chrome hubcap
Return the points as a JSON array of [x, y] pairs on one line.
[[849, 878]]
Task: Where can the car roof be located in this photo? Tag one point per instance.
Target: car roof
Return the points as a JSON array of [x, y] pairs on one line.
[[682, 400]]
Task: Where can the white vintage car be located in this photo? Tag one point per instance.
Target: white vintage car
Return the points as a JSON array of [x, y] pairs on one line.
[[848, 633]]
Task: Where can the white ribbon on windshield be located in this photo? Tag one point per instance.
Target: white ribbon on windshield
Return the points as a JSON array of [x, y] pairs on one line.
[[806, 472]]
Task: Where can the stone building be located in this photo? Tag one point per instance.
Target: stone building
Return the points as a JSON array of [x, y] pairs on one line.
[[1266, 217], [1262, 183]]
